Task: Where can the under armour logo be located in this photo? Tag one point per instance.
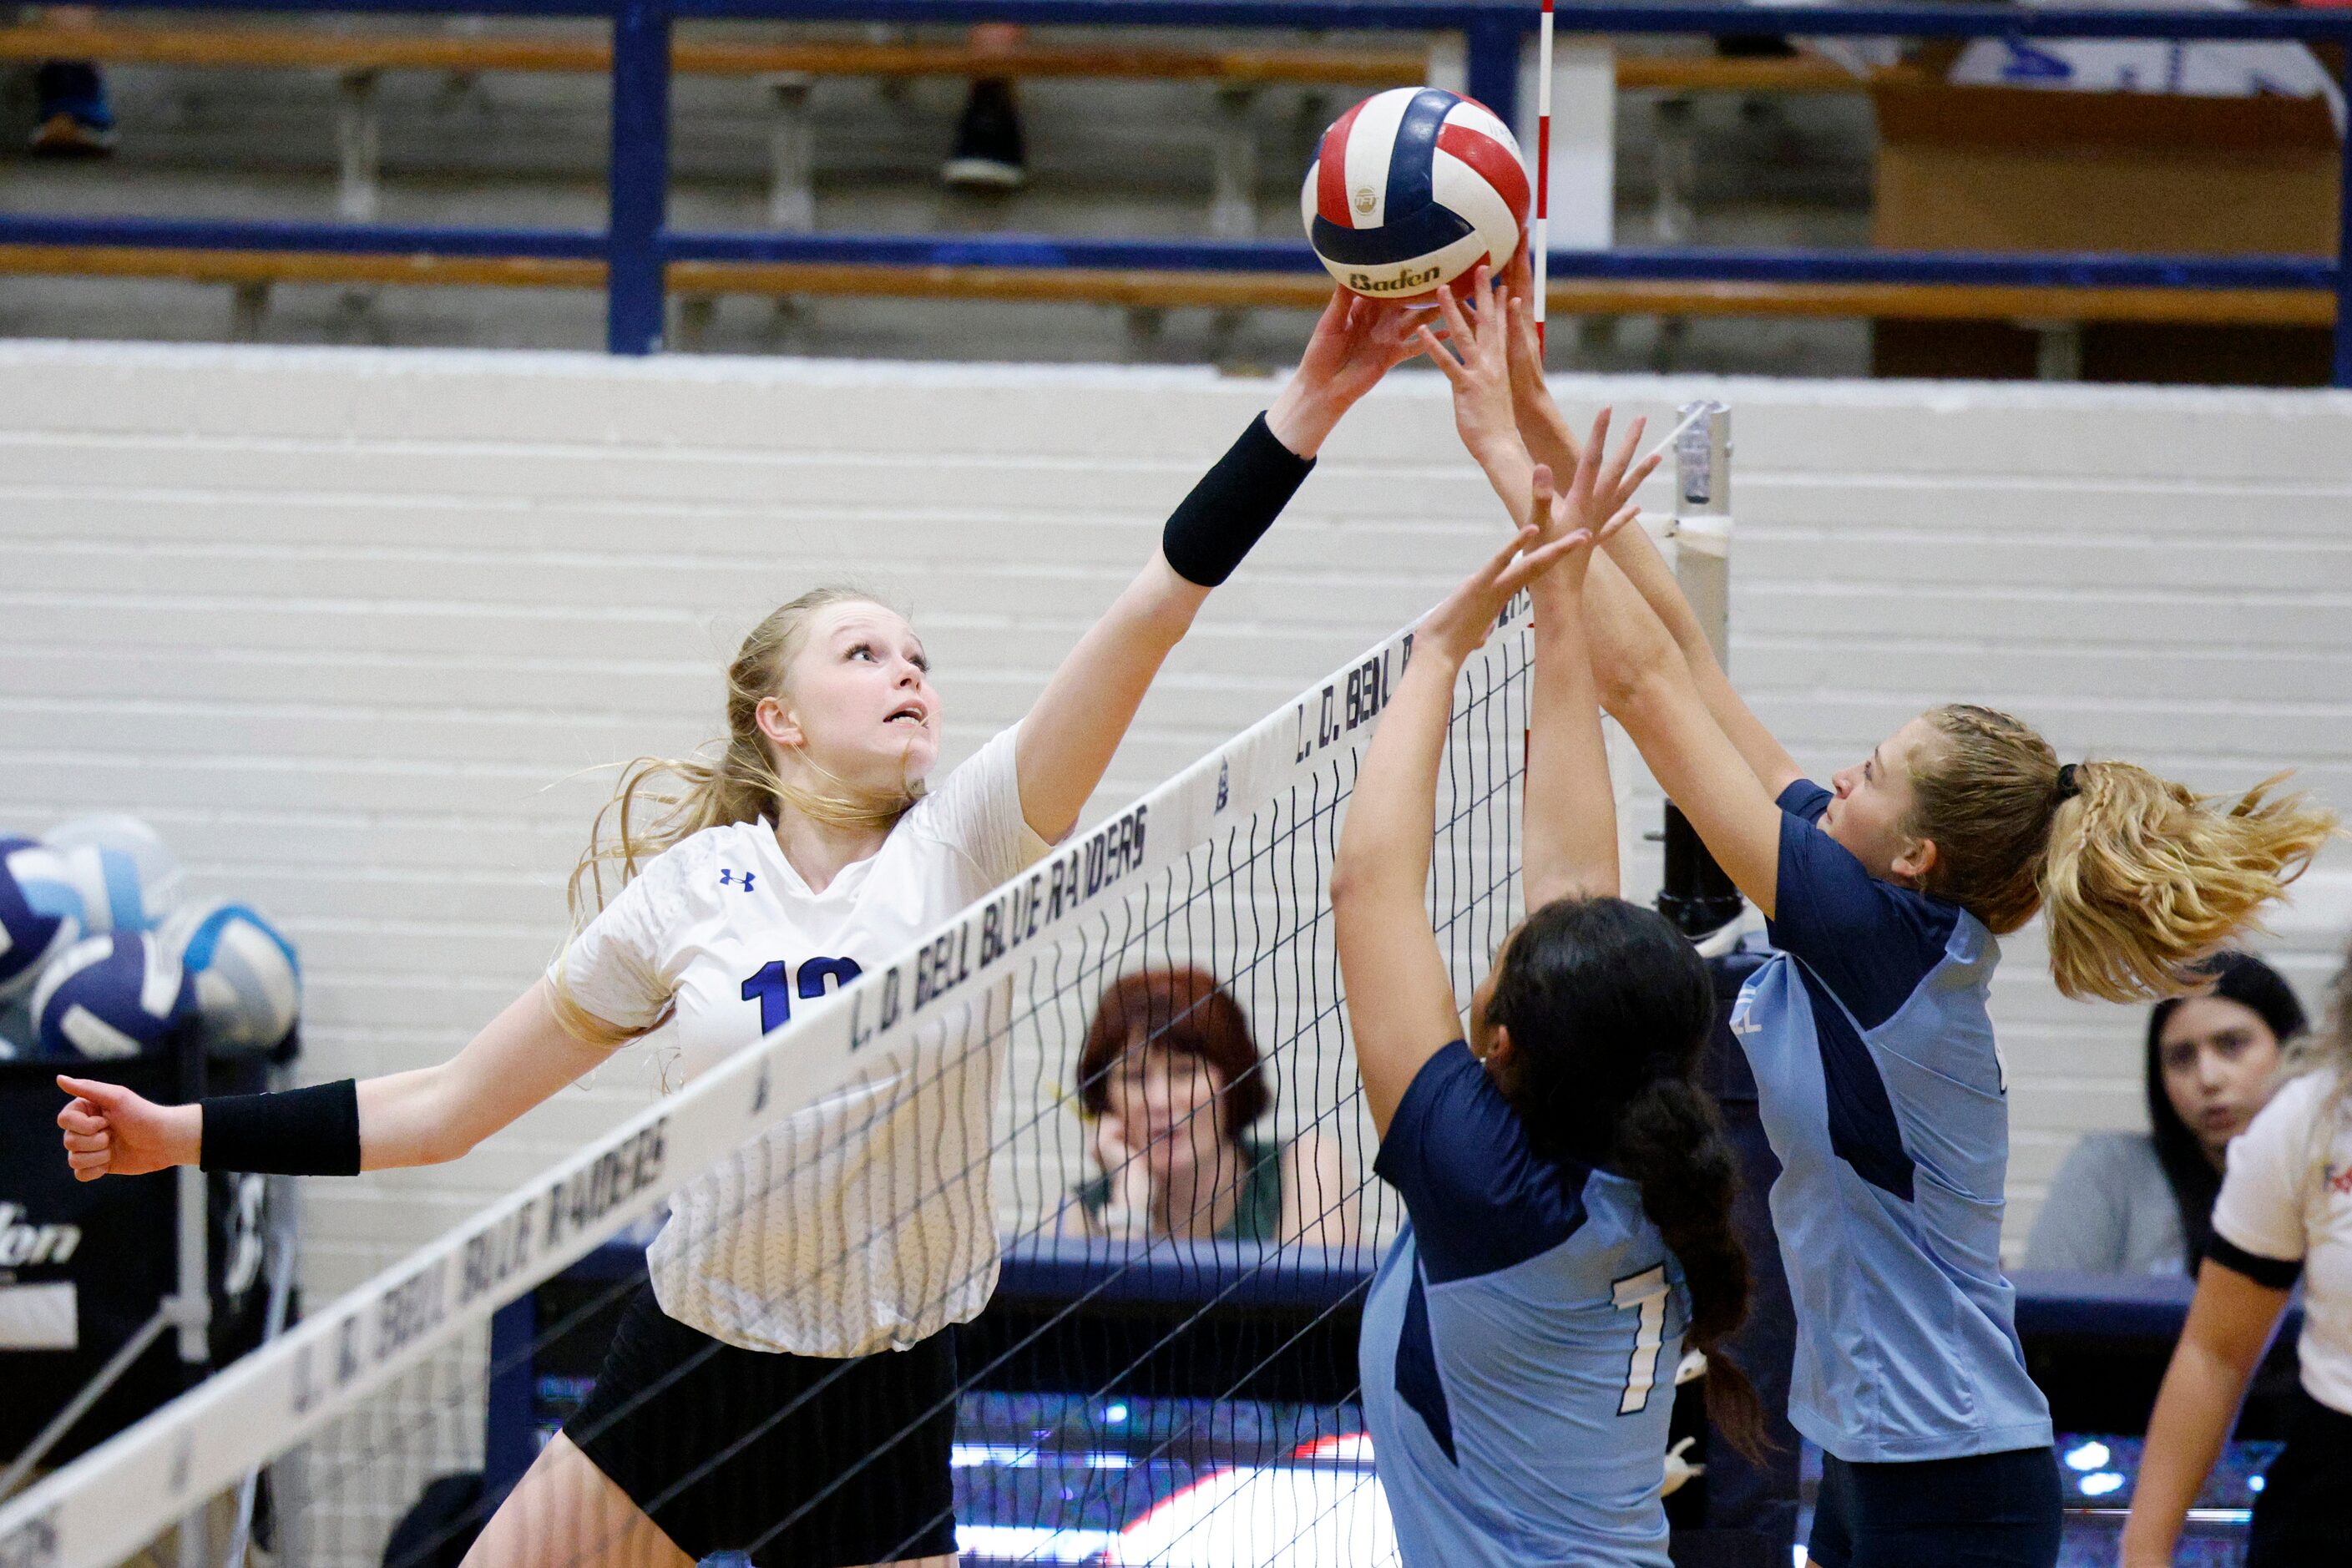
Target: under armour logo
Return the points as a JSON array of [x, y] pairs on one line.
[[727, 878]]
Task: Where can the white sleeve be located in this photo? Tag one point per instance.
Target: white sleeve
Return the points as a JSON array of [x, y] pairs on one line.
[[978, 811], [2260, 1209], [624, 966]]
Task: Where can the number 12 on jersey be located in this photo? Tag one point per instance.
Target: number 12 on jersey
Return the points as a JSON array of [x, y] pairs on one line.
[[772, 985], [1646, 1293]]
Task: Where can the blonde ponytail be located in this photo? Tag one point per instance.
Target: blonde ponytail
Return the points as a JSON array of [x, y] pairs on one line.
[[2139, 878], [660, 801], [2144, 876]]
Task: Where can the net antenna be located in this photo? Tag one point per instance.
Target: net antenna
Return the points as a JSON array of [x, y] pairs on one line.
[[1542, 269]]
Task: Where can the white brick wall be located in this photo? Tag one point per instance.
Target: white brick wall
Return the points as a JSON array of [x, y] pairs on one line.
[[346, 625]]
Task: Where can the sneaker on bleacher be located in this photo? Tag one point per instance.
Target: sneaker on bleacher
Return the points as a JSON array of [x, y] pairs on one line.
[[74, 120], [988, 154]]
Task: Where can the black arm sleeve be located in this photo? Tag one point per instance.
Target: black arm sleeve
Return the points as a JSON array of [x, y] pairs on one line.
[[297, 1133], [1232, 506]]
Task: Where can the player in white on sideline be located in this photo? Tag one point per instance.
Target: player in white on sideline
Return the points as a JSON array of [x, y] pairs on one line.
[[2284, 1213], [785, 1387]]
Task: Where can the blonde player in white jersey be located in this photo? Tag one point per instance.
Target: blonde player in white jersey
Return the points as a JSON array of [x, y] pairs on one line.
[[786, 1386]]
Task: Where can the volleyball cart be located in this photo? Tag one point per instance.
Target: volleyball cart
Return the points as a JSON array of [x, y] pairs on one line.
[[117, 1296]]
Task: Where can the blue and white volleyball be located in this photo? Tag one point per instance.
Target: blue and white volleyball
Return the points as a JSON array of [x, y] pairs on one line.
[[119, 993], [40, 913], [1412, 188], [127, 877], [246, 976]]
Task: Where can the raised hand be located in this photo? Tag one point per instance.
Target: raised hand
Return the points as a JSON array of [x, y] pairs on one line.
[[111, 1131], [1599, 496], [1356, 342], [1481, 375], [1458, 625]]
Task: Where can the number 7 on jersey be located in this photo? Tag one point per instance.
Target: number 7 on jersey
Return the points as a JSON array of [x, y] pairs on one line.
[[1644, 1292]]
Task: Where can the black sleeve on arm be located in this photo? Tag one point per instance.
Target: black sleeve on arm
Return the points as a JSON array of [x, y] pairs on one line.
[[2271, 1273], [297, 1133], [1232, 506]]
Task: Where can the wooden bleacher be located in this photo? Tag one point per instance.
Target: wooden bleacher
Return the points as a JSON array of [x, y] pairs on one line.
[[358, 57], [1140, 289]]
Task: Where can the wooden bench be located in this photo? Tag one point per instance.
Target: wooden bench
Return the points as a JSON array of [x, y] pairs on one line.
[[251, 273]]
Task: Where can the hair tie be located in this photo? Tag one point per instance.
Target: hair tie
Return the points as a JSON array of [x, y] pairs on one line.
[[2069, 786]]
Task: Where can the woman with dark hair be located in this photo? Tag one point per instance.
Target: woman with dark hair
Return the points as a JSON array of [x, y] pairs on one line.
[[2142, 1202], [1172, 1083], [1566, 1185]]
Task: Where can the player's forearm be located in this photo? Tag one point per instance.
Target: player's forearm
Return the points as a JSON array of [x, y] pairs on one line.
[[1384, 846], [1634, 556], [1570, 840], [1544, 429], [2185, 1432]]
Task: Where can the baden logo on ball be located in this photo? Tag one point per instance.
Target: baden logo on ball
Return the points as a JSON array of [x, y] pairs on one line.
[[1410, 190]]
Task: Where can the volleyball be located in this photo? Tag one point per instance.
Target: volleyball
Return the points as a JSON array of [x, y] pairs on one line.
[[128, 878], [118, 994], [1411, 189], [247, 982], [40, 914]]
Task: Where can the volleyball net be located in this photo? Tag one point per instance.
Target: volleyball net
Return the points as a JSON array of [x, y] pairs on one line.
[[1147, 1382]]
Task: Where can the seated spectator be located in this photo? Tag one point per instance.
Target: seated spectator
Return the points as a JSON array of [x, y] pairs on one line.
[[2142, 1202], [1171, 1084]]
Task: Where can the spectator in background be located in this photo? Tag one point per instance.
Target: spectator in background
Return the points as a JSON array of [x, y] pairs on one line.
[[73, 120], [2142, 1202], [1171, 1084]]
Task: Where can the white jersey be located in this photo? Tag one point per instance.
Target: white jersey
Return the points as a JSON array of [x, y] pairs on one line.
[[2288, 1197], [863, 1221]]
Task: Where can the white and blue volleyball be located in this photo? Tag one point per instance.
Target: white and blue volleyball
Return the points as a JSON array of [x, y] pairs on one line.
[[1411, 189], [128, 878], [247, 978], [119, 993], [40, 913]]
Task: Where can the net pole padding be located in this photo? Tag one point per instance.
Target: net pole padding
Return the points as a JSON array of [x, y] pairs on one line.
[[114, 1499], [1542, 271]]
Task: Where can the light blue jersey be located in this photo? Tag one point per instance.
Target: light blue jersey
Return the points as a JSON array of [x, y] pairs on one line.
[[1519, 1343], [1886, 1101]]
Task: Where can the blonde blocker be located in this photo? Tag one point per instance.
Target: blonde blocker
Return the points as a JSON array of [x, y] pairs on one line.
[[2139, 878], [660, 801]]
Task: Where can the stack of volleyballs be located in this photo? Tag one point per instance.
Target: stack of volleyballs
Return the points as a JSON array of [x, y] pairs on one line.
[[100, 956], [1410, 190]]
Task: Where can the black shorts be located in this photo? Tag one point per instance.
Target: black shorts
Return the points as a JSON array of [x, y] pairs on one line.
[[801, 1461], [1988, 1510], [2300, 1519]]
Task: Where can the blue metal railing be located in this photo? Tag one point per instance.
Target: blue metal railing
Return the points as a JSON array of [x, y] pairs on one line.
[[637, 244]]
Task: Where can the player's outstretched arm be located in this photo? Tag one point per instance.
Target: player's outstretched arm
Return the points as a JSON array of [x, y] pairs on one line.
[[1648, 688], [1400, 1007], [421, 1118], [2228, 1323], [1545, 430], [1077, 723], [1569, 847]]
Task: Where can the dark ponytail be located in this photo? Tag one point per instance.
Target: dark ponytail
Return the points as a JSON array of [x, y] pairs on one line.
[[1609, 1008], [1670, 1142]]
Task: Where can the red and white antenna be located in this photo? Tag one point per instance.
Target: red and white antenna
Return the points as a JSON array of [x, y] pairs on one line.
[[1542, 269]]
